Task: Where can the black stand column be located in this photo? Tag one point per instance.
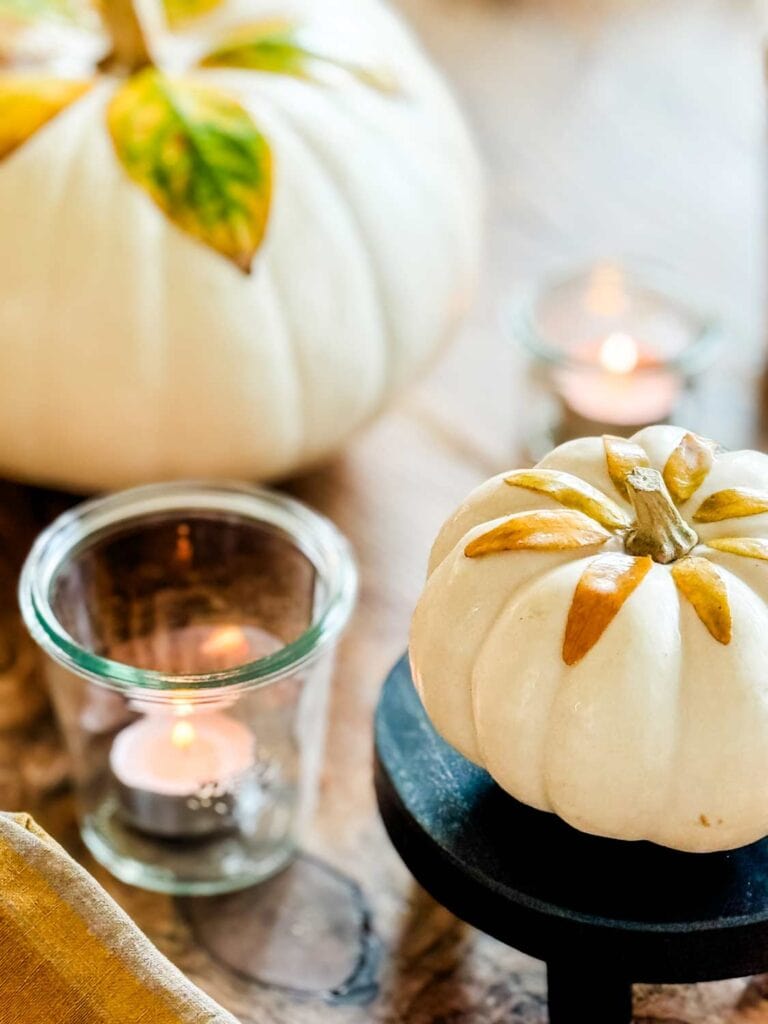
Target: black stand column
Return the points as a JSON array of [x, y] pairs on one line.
[[570, 984]]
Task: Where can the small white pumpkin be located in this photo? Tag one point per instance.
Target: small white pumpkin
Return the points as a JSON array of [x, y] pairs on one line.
[[173, 306], [594, 632]]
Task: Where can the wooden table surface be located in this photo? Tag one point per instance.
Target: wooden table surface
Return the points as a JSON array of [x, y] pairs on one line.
[[629, 129]]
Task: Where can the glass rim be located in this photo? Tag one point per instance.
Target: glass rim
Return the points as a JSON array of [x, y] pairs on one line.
[[519, 318], [312, 533]]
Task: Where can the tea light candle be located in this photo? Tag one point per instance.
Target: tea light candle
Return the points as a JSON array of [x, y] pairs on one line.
[[177, 767], [609, 354], [621, 383], [176, 775]]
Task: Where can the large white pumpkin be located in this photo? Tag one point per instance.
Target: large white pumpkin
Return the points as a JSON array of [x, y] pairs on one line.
[[131, 351], [605, 658]]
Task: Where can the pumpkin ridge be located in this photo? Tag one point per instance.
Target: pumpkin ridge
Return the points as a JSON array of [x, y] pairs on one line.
[[299, 374], [349, 209], [519, 596], [71, 157]]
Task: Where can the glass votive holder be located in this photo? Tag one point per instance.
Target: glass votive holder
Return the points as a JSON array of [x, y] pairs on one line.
[[190, 631], [608, 353]]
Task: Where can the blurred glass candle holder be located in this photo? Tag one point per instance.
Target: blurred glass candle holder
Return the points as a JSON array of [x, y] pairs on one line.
[[608, 354], [190, 633]]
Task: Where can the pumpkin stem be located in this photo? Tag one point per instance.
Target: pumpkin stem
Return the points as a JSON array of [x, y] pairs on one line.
[[130, 48], [659, 530]]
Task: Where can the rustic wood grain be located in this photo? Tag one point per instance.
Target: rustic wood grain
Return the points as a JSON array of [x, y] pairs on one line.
[[611, 128]]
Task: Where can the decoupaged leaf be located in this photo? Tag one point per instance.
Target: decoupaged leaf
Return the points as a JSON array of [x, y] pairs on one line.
[[545, 530], [178, 12], [72, 11], [748, 547], [687, 467], [621, 457], [700, 583], [277, 45], [603, 587], [198, 154], [572, 492], [733, 503], [27, 103]]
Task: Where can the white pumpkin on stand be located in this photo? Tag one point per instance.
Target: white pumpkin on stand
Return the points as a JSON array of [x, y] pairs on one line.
[[230, 247], [594, 632]]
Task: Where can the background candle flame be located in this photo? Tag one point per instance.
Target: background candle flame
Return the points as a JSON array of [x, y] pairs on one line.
[[228, 640], [619, 353]]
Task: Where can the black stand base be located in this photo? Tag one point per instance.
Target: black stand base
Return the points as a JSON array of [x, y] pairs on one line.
[[610, 999], [616, 911]]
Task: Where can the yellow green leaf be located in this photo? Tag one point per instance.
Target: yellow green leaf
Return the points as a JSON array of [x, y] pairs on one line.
[[200, 157], [73, 11], [687, 467], [603, 587], [27, 103], [544, 530], [276, 45], [748, 547], [733, 503], [572, 492], [177, 12], [621, 457], [700, 583]]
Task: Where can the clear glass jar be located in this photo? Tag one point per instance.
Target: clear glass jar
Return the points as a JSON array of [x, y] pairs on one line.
[[610, 351], [190, 631]]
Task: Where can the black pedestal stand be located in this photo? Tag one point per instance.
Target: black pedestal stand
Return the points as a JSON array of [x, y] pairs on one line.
[[596, 910]]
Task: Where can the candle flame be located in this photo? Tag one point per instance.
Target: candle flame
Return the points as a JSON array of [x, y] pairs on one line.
[[183, 734], [226, 640], [184, 550], [619, 353]]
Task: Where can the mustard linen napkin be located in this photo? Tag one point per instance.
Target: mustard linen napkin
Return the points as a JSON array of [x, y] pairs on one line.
[[70, 955]]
